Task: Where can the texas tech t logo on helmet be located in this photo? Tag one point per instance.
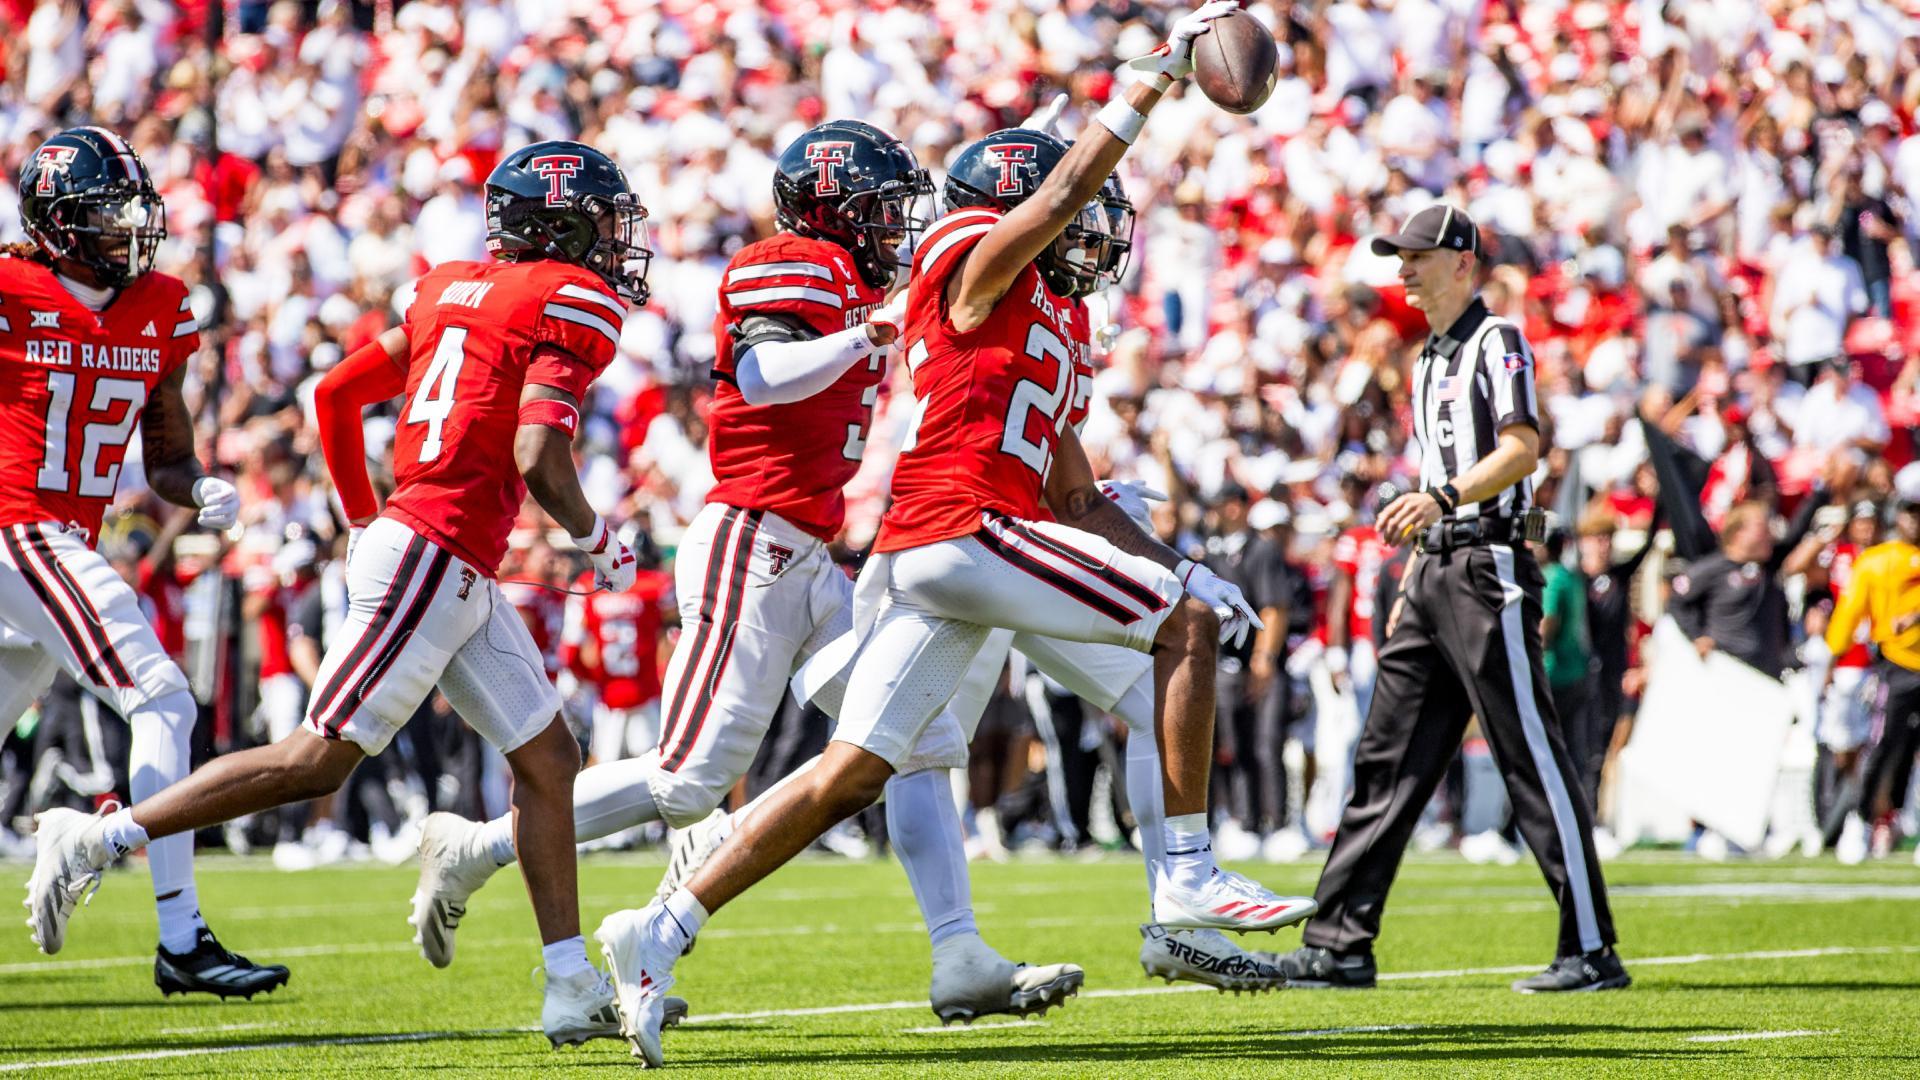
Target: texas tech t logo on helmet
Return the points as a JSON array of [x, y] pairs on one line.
[[556, 168], [54, 161], [1012, 157], [827, 156]]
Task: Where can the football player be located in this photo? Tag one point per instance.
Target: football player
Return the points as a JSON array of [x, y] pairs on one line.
[[801, 333], [959, 552], [94, 343], [493, 360]]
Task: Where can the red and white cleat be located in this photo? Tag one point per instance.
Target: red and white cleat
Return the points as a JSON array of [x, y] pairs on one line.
[[1228, 901]]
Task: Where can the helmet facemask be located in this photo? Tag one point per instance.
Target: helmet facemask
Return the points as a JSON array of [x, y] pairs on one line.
[[1120, 221], [114, 230], [1073, 265], [884, 219]]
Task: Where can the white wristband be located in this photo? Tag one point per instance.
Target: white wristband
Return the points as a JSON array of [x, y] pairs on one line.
[[1183, 570], [1125, 121], [596, 537], [1337, 659]]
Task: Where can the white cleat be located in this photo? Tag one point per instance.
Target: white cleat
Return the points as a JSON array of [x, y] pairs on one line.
[[578, 1009], [453, 865], [970, 980], [1851, 849], [66, 870], [642, 974], [1286, 845], [1488, 846], [1227, 901], [1205, 957], [690, 849]]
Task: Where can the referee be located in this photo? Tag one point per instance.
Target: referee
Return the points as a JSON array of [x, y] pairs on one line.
[[1463, 639]]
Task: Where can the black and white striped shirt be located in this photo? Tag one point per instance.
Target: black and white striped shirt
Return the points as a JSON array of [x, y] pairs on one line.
[[1470, 382]]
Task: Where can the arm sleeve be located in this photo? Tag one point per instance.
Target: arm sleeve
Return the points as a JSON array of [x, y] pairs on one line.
[[775, 370], [1509, 365], [365, 378]]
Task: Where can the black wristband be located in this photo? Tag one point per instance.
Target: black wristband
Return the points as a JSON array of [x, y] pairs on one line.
[[1447, 496]]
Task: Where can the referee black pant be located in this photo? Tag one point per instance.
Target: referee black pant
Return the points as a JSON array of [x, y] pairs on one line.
[[1467, 644], [1890, 764]]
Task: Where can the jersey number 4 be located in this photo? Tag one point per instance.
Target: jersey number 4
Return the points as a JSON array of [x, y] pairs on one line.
[[433, 402], [94, 438]]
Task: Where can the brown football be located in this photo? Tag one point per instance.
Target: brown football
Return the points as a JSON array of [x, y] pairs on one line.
[[1235, 62]]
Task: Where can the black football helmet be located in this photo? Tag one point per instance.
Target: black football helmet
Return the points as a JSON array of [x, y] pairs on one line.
[[853, 184], [86, 197], [569, 202], [1000, 172]]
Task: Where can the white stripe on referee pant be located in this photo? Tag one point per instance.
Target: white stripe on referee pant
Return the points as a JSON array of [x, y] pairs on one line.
[[1573, 847]]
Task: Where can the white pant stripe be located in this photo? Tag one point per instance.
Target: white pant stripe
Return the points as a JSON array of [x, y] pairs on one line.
[[1552, 781]]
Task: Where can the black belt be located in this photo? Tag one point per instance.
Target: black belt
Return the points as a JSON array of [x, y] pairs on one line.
[[1453, 533]]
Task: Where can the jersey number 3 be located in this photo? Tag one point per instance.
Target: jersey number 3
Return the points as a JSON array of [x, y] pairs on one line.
[[433, 402], [53, 474]]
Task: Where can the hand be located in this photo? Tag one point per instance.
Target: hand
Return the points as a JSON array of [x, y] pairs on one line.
[[1407, 517], [1704, 646], [1173, 60], [1393, 616], [219, 503], [1237, 617], [1132, 496], [614, 568], [885, 321], [1105, 337]]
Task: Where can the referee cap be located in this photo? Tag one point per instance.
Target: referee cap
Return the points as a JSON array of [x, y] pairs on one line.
[[1437, 226]]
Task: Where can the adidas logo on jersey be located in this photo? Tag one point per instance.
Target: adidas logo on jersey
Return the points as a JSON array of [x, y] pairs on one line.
[[149, 331]]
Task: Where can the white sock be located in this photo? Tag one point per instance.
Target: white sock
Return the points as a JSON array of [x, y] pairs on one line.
[[162, 754], [122, 833], [613, 796], [607, 798], [1189, 851], [680, 918], [180, 921], [1146, 795], [924, 825], [567, 958], [497, 837]]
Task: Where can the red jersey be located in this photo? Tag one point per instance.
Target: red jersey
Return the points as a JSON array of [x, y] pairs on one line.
[[1838, 558], [479, 332], [992, 400], [792, 459], [545, 613], [625, 628], [1361, 553], [163, 597], [274, 659], [73, 383]]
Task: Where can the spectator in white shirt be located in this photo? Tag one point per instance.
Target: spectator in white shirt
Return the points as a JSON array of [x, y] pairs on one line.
[[1840, 412], [1818, 291]]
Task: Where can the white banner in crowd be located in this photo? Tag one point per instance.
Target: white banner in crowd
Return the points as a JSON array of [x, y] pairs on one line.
[[1707, 746]]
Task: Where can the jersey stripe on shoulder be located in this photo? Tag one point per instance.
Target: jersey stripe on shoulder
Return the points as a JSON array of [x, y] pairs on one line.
[[5, 326], [750, 297], [569, 313], [759, 271], [956, 228], [593, 296], [185, 326]]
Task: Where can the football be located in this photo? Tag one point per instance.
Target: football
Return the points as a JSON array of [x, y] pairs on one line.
[[1236, 62]]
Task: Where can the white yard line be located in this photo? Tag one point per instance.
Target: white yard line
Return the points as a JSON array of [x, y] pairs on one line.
[[222, 1027], [889, 1006], [1745, 1035]]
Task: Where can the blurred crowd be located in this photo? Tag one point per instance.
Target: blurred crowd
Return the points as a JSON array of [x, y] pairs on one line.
[[1698, 210]]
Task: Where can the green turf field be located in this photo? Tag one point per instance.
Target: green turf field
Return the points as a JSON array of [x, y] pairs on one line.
[[1791, 968]]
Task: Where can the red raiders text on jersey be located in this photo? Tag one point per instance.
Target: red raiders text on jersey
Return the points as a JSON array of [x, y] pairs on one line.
[[72, 385], [478, 333], [792, 459]]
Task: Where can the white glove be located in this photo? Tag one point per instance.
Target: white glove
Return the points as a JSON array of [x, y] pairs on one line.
[[614, 568], [1047, 118], [219, 503], [1173, 60], [891, 314], [1237, 617], [1105, 337], [1132, 496]]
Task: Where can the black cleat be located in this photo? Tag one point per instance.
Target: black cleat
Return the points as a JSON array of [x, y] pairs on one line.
[[1597, 970], [210, 969], [1311, 967]]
